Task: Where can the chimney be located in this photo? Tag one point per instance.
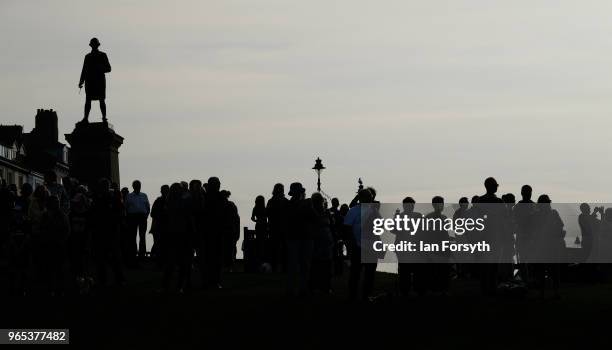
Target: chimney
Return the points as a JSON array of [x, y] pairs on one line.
[[45, 126]]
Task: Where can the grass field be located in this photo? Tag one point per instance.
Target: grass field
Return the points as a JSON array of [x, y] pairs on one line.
[[252, 310]]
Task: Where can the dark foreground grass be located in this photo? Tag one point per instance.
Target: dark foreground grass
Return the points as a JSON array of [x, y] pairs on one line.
[[252, 311]]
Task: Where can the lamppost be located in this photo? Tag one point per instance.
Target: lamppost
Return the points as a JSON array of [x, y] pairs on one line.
[[318, 168]]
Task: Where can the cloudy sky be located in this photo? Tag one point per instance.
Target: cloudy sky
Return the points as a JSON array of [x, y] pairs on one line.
[[416, 97]]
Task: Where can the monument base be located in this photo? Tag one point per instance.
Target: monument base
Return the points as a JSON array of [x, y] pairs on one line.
[[94, 153]]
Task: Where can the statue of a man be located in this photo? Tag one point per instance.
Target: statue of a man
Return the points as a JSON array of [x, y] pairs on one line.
[[94, 67]]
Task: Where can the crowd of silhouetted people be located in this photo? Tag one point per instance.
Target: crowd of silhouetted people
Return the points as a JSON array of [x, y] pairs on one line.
[[318, 242], [68, 238], [64, 238]]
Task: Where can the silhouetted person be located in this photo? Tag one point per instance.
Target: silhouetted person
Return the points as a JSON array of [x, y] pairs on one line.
[[54, 236], [231, 231], [407, 267], [461, 213], [471, 269], [14, 230], [22, 202], [259, 216], [124, 193], [105, 221], [589, 226], [507, 239], [180, 226], [438, 267], [345, 233], [509, 199], [70, 185], [335, 206], [299, 241], [80, 236], [462, 209], [7, 203], [355, 200], [36, 211], [320, 225], [92, 75], [493, 207], [216, 219], [56, 189], [490, 196], [125, 232], [14, 213], [603, 244], [36, 208], [277, 218], [159, 224], [196, 198], [523, 217], [549, 242], [337, 229], [353, 220], [590, 229], [120, 199], [138, 209]]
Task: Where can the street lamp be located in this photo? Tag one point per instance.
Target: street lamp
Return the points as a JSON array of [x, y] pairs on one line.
[[318, 168]]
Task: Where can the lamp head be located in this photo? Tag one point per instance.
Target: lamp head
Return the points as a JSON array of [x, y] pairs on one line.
[[318, 167]]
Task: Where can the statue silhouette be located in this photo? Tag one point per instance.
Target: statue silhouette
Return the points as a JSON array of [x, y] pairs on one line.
[[94, 67]]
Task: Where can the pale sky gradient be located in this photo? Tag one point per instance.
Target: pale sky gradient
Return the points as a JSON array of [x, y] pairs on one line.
[[416, 97]]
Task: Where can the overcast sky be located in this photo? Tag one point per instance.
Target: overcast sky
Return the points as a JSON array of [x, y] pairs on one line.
[[416, 97]]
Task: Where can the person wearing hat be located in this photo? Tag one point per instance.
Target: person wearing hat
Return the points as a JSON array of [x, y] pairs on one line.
[[299, 241], [92, 75]]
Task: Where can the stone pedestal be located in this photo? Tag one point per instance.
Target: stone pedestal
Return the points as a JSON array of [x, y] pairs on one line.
[[94, 153]]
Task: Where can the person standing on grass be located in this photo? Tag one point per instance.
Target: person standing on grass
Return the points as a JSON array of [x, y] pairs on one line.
[[138, 209]]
